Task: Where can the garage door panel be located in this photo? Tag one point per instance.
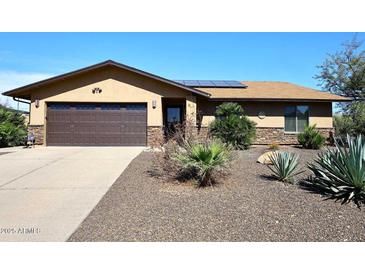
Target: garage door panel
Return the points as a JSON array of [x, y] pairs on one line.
[[59, 116], [109, 116], [84, 116], [93, 124], [109, 128], [60, 138], [133, 140]]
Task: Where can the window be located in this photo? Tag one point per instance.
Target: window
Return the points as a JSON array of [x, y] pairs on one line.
[[110, 106], [85, 106], [296, 118], [58, 106], [135, 107]]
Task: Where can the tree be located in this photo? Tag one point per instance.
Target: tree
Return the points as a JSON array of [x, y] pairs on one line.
[[352, 122], [343, 73], [232, 126]]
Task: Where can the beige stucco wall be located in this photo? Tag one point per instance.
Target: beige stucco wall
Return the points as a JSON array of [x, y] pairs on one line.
[[320, 113], [191, 109], [117, 86]]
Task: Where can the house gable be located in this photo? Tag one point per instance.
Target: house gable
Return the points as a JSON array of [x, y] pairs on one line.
[[25, 91], [115, 85]]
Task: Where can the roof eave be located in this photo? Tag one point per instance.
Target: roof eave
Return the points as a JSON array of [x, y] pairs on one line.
[[280, 99]]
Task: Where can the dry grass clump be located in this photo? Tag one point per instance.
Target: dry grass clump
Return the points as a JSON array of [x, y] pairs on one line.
[[274, 146]]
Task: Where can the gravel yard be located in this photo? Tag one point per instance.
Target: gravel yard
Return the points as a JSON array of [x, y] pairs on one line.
[[247, 206]]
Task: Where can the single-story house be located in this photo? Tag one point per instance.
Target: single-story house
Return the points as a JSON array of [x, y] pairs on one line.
[[113, 104]]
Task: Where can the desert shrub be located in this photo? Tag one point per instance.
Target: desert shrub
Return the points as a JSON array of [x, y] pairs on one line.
[[274, 146], [284, 166], [186, 157], [232, 126], [340, 173], [12, 128], [203, 159], [163, 163], [311, 138]]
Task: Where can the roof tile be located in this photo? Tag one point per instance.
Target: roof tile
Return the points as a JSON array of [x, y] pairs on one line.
[[265, 90]]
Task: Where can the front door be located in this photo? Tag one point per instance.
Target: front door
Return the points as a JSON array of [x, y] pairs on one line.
[[174, 119]]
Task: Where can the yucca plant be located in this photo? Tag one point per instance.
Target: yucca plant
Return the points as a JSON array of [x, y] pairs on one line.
[[203, 159], [310, 138], [340, 173], [284, 165]]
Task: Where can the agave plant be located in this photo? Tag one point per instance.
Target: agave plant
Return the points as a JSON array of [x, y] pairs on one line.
[[340, 173], [284, 165], [203, 159]]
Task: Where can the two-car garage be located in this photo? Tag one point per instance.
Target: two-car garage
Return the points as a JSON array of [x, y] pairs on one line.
[[96, 124]]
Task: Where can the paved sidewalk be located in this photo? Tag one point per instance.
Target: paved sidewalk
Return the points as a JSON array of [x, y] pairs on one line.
[[46, 192]]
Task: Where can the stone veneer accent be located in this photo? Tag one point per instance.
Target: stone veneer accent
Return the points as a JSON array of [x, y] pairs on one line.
[[155, 136], [38, 131], [265, 136]]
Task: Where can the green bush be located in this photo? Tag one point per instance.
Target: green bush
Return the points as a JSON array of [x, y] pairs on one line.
[[232, 126], [202, 160], [12, 128], [311, 138], [284, 165], [343, 125], [352, 122], [340, 173]]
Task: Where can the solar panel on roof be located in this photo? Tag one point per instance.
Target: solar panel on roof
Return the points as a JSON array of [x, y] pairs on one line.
[[216, 83], [212, 83], [205, 83], [191, 83], [233, 84]]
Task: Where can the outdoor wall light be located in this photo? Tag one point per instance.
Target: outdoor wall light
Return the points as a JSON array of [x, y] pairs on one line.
[[261, 115], [36, 102], [154, 103]]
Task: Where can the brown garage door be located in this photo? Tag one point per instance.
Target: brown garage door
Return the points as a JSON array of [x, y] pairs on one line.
[[96, 124]]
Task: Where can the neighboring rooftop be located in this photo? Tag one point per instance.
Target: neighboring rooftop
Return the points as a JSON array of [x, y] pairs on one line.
[[271, 91], [16, 110]]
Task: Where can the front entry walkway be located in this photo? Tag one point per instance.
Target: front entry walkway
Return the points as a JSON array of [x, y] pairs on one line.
[[46, 192]]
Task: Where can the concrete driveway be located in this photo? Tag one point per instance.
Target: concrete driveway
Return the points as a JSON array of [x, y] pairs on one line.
[[46, 192]]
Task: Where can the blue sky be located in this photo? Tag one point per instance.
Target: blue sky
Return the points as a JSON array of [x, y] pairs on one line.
[[291, 57]]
